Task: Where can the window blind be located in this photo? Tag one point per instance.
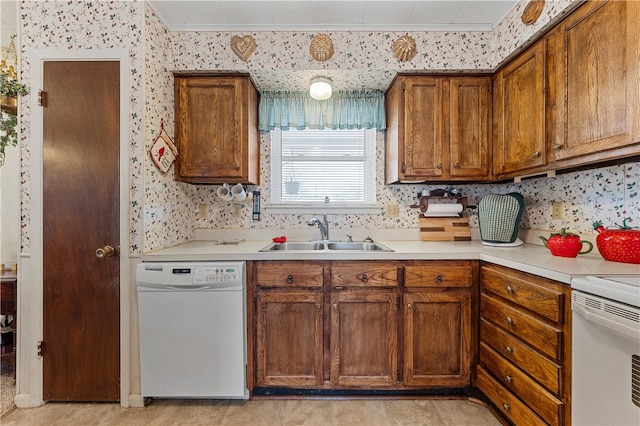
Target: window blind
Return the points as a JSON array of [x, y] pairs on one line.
[[323, 166]]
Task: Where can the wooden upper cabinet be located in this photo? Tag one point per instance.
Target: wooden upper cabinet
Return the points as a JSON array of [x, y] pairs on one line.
[[519, 114], [438, 128], [469, 127], [597, 83], [216, 129]]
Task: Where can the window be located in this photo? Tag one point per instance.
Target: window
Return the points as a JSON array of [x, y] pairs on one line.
[[323, 168]]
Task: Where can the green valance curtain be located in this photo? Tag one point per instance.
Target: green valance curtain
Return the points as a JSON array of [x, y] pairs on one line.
[[349, 109]]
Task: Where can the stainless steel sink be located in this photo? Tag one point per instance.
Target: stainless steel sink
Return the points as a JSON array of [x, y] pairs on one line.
[[294, 246], [319, 246], [358, 246]]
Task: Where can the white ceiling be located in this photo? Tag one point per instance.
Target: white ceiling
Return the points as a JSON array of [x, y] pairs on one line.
[[329, 15]]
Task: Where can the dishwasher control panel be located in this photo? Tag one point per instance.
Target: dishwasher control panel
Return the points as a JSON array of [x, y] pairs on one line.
[[216, 274]]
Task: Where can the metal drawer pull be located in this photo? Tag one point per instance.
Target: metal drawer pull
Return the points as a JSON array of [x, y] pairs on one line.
[[338, 287], [456, 165], [439, 279], [510, 290], [335, 306], [508, 320], [364, 278], [536, 154], [318, 305], [506, 407], [508, 350], [410, 306], [289, 279], [508, 379], [557, 146]]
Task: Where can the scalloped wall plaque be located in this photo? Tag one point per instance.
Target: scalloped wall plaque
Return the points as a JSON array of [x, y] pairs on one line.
[[243, 46], [532, 12], [321, 47], [404, 48]]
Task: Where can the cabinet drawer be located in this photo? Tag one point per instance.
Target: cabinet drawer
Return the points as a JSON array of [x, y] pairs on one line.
[[290, 274], [542, 402], [531, 362], [515, 287], [506, 402], [364, 274], [439, 274], [543, 337]]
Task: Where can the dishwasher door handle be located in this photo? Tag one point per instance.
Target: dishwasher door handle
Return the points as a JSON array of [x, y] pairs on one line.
[[602, 321]]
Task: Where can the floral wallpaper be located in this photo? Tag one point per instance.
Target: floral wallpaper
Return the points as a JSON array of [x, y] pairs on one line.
[[77, 26], [164, 212]]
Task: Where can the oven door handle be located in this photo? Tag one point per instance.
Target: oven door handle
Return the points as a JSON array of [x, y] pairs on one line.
[[612, 325]]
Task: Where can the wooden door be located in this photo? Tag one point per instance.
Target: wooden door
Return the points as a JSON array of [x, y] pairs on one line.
[[364, 338], [421, 152], [469, 127], [289, 339], [437, 339], [81, 292], [599, 79], [519, 114]]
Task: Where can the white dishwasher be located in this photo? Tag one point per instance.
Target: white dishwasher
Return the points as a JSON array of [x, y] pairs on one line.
[[192, 319]]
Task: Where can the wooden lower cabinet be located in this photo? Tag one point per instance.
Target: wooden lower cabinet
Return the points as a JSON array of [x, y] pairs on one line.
[[437, 337], [364, 338], [384, 325], [289, 338], [525, 346]]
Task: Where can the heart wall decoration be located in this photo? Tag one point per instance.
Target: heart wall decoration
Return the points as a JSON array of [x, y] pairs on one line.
[[243, 46]]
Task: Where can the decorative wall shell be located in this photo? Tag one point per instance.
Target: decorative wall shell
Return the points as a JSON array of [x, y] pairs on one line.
[[404, 48]]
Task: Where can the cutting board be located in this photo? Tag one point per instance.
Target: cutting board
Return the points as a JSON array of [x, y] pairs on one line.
[[444, 228]]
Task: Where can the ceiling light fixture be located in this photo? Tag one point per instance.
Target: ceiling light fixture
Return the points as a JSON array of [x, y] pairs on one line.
[[320, 88]]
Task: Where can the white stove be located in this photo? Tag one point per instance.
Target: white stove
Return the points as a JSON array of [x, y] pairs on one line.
[[606, 350]]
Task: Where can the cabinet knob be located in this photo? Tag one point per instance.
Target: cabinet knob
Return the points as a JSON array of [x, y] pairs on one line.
[[410, 306], [456, 165], [439, 166], [508, 379], [438, 279], [508, 320], [289, 279], [557, 147], [536, 154], [508, 350], [236, 167], [510, 290], [335, 306], [364, 278], [318, 305], [506, 407]]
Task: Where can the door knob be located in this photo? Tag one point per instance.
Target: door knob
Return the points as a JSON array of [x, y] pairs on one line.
[[106, 251]]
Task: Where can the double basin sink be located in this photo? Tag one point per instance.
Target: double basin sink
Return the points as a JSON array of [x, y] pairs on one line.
[[325, 245]]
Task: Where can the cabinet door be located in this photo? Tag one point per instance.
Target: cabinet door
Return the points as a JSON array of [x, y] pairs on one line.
[[421, 153], [363, 339], [437, 339], [519, 114], [469, 126], [600, 80], [212, 132], [289, 339]]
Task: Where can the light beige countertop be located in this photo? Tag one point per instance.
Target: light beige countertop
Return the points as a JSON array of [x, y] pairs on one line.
[[530, 258]]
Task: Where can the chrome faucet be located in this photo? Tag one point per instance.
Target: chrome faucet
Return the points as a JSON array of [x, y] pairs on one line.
[[323, 225]]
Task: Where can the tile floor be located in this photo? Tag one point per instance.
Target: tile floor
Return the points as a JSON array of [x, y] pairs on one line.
[[256, 412]]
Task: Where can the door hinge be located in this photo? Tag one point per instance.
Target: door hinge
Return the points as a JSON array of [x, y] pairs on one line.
[[398, 301], [398, 375], [42, 348], [42, 98]]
